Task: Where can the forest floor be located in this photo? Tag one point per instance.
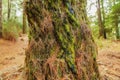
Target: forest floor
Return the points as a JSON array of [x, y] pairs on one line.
[[109, 59], [12, 56]]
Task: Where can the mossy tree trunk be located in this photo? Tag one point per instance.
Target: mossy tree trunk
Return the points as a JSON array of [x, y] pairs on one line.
[[60, 44], [0, 18]]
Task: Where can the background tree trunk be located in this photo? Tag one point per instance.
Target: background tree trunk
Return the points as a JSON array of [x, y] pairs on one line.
[[9, 8], [24, 19], [116, 20], [116, 17], [102, 32], [60, 46], [103, 18], [0, 18], [116, 27]]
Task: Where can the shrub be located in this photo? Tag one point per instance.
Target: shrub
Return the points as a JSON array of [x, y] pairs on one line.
[[11, 30]]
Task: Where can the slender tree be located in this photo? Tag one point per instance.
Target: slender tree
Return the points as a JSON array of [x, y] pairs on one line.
[[9, 9], [102, 32], [60, 45], [0, 18], [24, 19], [103, 17]]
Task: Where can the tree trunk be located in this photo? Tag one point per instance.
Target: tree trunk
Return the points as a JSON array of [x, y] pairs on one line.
[[116, 21], [102, 32], [103, 18], [60, 46], [0, 18], [9, 8], [117, 28], [24, 19]]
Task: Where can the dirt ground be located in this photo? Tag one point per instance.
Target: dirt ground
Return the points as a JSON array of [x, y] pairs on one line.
[[12, 55], [109, 60]]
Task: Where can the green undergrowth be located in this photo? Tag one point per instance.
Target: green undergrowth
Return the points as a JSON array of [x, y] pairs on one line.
[[11, 30], [102, 43]]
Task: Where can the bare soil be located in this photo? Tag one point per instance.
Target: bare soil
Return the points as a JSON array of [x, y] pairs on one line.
[[12, 56]]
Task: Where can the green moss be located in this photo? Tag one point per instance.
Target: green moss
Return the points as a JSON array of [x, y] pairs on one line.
[[72, 19], [94, 77], [67, 28], [94, 55]]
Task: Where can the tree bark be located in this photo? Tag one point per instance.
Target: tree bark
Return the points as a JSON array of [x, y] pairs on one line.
[[60, 46], [0, 18]]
